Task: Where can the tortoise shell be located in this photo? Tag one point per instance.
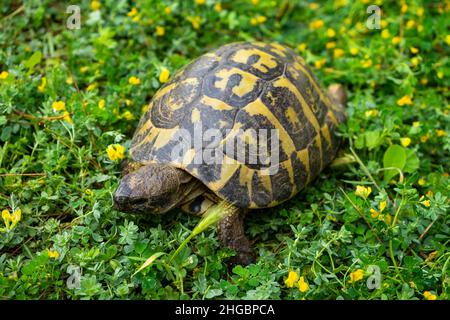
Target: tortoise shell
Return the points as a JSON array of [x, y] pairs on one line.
[[244, 86]]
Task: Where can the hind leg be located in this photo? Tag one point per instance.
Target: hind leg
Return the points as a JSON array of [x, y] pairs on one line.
[[231, 235]]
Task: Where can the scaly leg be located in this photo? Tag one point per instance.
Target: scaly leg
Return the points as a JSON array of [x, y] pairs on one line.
[[231, 235]]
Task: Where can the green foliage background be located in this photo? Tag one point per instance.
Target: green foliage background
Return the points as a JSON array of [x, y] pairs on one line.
[[61, 178]]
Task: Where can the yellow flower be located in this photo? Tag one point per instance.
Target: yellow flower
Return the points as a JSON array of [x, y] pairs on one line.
[[303, 285], [316, 24], [91, 87], [69, 80], [356, 275], [128, 115], [440, 74], [101, 104], [200, 2], [337, 53], [415, 62], [410, 24], [421, 182], [255, 2], [429, 296], [301, 47], [424, 138], [385, 34], [319, 63], [313, 6], [128, 102], [261, 19], [374, 213], [52, 254], [426, 203], [291, 279], [195, 21], [396, 40], [354, 51], [7, 217], [440, 132], [84, 69], [4, 75], [132, 12], [58, 106], [447, 39], [404, 8], [11, 220], [17, 215], [424, 81], [115, 152], [414, 50], [420, 11], [360, 26], [43, 84], [405, 100], [134, 80], [95, 5], [67, 117], [363, 192], [405, 141], [371, 113], [331, 33], [160, 31], [416, 124], [164, 75], [136, 19], [218, 7], [382, 205], [429, 194], [330, 45], [167, 10], [367, 63]]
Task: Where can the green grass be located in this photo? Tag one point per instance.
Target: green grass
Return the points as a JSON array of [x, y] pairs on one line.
[[60, 177]]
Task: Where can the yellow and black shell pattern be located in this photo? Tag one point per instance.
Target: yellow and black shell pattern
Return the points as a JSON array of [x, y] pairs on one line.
[[245, 85]]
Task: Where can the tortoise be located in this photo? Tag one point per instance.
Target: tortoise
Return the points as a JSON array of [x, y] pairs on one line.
[[236, 89]]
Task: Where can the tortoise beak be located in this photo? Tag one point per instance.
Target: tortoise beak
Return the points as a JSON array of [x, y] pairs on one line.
[[121, 197]]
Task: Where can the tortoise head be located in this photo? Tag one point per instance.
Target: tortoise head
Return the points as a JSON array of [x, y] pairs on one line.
[[150, 188]]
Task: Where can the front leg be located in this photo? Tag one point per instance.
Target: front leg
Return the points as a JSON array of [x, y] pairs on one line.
[[231, 235]]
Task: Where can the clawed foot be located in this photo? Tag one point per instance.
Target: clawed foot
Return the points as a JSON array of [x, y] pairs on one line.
[[241, 258]]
